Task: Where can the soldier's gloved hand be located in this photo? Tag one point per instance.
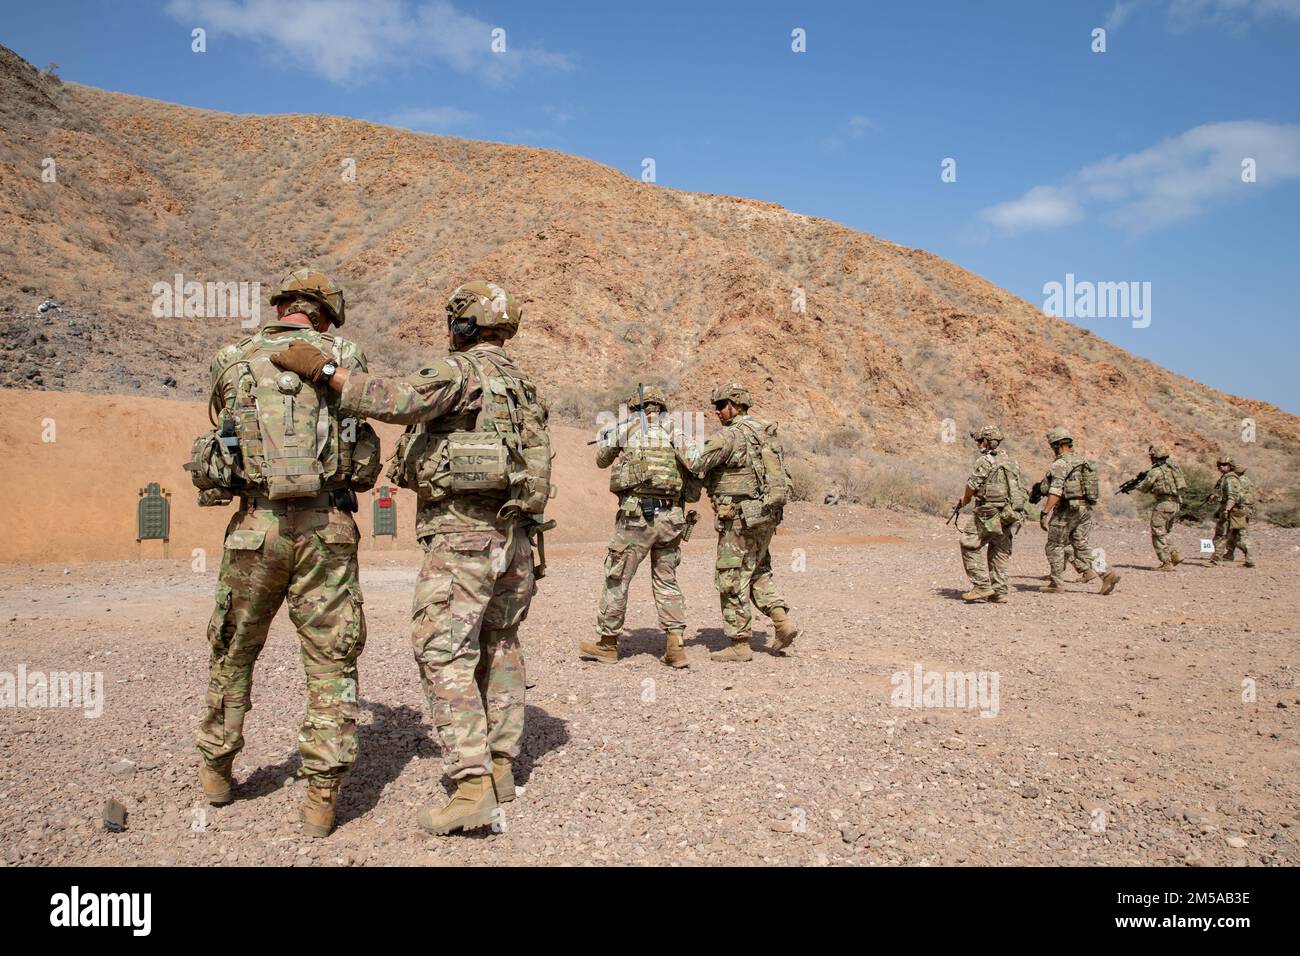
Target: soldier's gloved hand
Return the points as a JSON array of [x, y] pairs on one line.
[[306, 360], [1043, 519]]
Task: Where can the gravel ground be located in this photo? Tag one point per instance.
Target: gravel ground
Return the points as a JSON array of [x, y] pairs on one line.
[[1121, 731]]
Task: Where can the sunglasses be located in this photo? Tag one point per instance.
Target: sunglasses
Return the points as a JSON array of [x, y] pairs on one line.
[[719, 406]]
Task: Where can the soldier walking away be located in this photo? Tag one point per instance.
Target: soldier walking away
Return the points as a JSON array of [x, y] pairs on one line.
[[478, 455], [743, 469], [1234, 498], [1070, 490], [652, 479], [994, 484], [285, 448], [1165, 481]]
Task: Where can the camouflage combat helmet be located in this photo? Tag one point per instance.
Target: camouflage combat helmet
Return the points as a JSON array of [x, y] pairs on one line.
[[654, 395], [312, 284], [1059, 434], [731, 392], [987, 433], [1158, 450], [1226, 459], [489, 305]]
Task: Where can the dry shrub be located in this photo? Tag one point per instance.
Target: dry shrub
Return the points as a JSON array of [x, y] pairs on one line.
[[805, 485]]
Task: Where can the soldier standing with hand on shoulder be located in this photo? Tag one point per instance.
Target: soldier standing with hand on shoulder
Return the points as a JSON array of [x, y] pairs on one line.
[[477, 453]]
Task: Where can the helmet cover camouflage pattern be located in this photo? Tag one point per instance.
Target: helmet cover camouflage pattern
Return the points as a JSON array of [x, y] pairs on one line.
[[314, 285], [731, 392], [1059, 434], [489, 305], [1158, 450], [654, 395], [987, 433], [1226, 459]]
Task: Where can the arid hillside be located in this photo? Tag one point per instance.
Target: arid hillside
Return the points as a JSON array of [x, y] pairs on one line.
[[620, 280]]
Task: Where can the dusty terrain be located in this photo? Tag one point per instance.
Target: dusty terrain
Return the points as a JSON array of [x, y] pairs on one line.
[[1121, 735]]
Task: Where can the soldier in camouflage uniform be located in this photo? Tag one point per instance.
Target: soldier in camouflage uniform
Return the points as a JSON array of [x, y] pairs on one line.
[[1166, 483], [300, 548], [478, 576], [994, 483], [736, 463], [1234, 499], [651, 474], [1067, 513]]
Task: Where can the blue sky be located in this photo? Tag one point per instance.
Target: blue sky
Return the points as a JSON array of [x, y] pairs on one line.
[[1121, 165]]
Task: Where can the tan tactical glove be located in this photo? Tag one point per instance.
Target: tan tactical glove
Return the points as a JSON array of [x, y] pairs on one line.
[[306, 360], [1043, 519]]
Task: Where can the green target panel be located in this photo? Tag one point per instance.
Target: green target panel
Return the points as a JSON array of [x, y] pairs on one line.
[[384, 510], [152, 514]]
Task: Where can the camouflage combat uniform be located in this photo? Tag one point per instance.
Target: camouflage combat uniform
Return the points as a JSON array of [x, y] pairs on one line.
[[989, 483], [743, 571], [1165, 482], [477, 579], [651, 520], [302, 549], [1232, 528], [1070, 524]]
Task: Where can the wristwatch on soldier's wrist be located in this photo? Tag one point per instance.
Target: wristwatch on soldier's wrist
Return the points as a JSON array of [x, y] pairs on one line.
[[327, 371]]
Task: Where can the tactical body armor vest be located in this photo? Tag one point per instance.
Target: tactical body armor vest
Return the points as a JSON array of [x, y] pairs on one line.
[[1081, 481], [647, 464], [755, 471], [281, 437], [500, 451], [1167, 481]]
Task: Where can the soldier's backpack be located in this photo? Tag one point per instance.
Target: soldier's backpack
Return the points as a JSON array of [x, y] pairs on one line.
[[1082, 482], [506, 455], [1170, 481], [286, 440], [1245, 496], [767, 458], [1002, 488]]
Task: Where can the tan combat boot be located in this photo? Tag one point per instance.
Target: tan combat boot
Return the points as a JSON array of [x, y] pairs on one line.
[[1174, 557], [317, 810], [738, 652], [503, 778], [1087, 575], [1248, 563], [1051, 587], [999, 597], [783, 632], [1108, 582], [470, 807], [1166, 566], [977, 594], [605, 651], [216, 782], [675, 651]]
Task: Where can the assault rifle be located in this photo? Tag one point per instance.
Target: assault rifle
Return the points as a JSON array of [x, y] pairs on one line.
[[956, 510], [1131, 484]]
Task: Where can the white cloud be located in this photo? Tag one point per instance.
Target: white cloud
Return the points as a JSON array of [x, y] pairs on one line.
[[1176, 179], [854, 128], [433, 119], [1236, 14], [1043, 207], [1121, 12], [344, 39]]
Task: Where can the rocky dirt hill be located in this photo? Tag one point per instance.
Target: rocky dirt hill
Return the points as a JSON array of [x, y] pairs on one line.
[[620, 279]]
